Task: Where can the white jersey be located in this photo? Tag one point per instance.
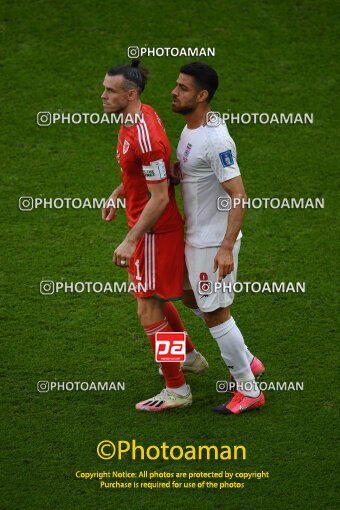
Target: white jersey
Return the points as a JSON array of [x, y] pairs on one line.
[[207, 157]]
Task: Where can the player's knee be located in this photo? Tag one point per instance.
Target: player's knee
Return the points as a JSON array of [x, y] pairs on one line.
[[149, 311], [142, 312], [217, 317]]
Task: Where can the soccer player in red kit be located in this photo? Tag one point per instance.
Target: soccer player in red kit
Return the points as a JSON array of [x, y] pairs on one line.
[[153, 249]]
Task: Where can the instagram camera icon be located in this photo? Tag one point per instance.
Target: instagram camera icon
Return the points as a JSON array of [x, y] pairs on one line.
[[133, 52], [213, 119]]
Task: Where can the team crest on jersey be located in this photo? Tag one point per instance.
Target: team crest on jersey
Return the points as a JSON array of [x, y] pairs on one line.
[[126, 146], [226, 158], [186, 152]]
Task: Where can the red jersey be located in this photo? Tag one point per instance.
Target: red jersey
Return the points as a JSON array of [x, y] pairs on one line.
[[143, 153]]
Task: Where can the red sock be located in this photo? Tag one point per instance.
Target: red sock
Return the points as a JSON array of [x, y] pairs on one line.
[[174, 319], [172, 371]]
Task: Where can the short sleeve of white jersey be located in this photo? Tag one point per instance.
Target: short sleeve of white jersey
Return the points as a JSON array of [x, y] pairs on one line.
[[221, 153]]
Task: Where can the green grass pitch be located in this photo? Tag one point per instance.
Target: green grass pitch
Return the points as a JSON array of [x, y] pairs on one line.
[[272, 57]]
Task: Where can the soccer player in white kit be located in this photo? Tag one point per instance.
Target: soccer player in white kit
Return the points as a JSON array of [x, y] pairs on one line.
[[210, 177]]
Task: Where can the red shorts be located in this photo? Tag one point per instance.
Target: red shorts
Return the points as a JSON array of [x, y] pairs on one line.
[[157, 266]]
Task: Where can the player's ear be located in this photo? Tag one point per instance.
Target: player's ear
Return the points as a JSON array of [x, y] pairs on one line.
[[202, 96], [132, 94]]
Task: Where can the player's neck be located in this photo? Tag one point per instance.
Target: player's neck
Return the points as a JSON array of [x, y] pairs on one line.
[[132, 112], [197, 118]]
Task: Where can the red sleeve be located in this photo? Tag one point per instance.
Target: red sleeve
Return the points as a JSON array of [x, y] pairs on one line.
[[152, 153]]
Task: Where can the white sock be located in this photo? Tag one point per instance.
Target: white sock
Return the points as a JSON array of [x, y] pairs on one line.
[[181, 390], [190, 357], [198, 312], [233, 352], [248, 386]]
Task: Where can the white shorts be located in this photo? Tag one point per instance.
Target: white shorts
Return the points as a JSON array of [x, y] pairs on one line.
[[200, 266]]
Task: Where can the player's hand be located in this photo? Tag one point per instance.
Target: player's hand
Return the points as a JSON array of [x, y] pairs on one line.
[[224, 262], [175, 173], [124, 252], [109, 210]]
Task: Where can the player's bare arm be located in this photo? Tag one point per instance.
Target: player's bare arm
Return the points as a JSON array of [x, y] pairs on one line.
[[224, 260], [175, 173], [109, 210], [151, 213]]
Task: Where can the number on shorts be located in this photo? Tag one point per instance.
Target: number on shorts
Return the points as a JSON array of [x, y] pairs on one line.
[[204, 276], [138, 276]]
